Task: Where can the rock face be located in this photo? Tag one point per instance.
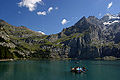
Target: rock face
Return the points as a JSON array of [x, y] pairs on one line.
[[21, 42], [89, 38]]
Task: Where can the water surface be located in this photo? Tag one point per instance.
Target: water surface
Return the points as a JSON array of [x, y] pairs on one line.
[[58, 70]]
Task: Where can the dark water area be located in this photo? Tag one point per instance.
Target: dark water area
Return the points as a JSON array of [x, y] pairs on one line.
[[59, 70]]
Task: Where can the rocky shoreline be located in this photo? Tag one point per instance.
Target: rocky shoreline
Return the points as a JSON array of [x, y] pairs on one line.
[[108, 58], [6, 60]]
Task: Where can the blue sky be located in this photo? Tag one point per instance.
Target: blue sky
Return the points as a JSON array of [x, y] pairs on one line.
[[51, 16]]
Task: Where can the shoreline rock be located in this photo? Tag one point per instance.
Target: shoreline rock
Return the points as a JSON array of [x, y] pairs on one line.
[[6, 60]]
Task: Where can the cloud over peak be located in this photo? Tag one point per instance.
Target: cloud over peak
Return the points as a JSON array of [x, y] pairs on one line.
[[64, 21], [110, 5], [30, 4]]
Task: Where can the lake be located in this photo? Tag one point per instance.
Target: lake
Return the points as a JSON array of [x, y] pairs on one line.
[[59, 70]]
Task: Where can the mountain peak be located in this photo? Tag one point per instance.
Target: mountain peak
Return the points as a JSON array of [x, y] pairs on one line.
[[92, 17], [83, 20], [93, 20]]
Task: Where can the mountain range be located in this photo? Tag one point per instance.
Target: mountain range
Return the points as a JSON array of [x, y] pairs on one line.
[[89, 38]]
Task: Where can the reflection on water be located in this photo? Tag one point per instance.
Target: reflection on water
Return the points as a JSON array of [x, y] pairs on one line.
[[58, 70], [82, 76]]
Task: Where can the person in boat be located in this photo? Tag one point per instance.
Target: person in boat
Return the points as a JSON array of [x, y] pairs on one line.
[[73, 69], [79, 69], [84, 69]]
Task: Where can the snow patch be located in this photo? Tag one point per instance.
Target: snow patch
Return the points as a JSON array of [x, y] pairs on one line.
[[41, 32], [110, 22]]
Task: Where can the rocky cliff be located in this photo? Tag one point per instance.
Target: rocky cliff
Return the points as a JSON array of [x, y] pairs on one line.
[[89, 38]]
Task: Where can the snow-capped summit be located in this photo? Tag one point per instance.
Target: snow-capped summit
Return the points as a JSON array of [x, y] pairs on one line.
[[110, 16], [109, 19]]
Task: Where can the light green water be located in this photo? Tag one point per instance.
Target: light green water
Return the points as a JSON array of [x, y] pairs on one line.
[[59, 70]]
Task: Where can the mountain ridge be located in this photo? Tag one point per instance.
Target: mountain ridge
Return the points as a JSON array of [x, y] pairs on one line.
[[89, 38]]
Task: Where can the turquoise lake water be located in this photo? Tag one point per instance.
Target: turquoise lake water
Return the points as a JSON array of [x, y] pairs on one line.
[[59, 70]]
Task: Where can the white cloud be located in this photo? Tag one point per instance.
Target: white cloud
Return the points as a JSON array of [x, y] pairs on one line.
[[50, 9], [30, 4], [64, 21], [41, 32], [56, 8], [110, 5], [41, 13]]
